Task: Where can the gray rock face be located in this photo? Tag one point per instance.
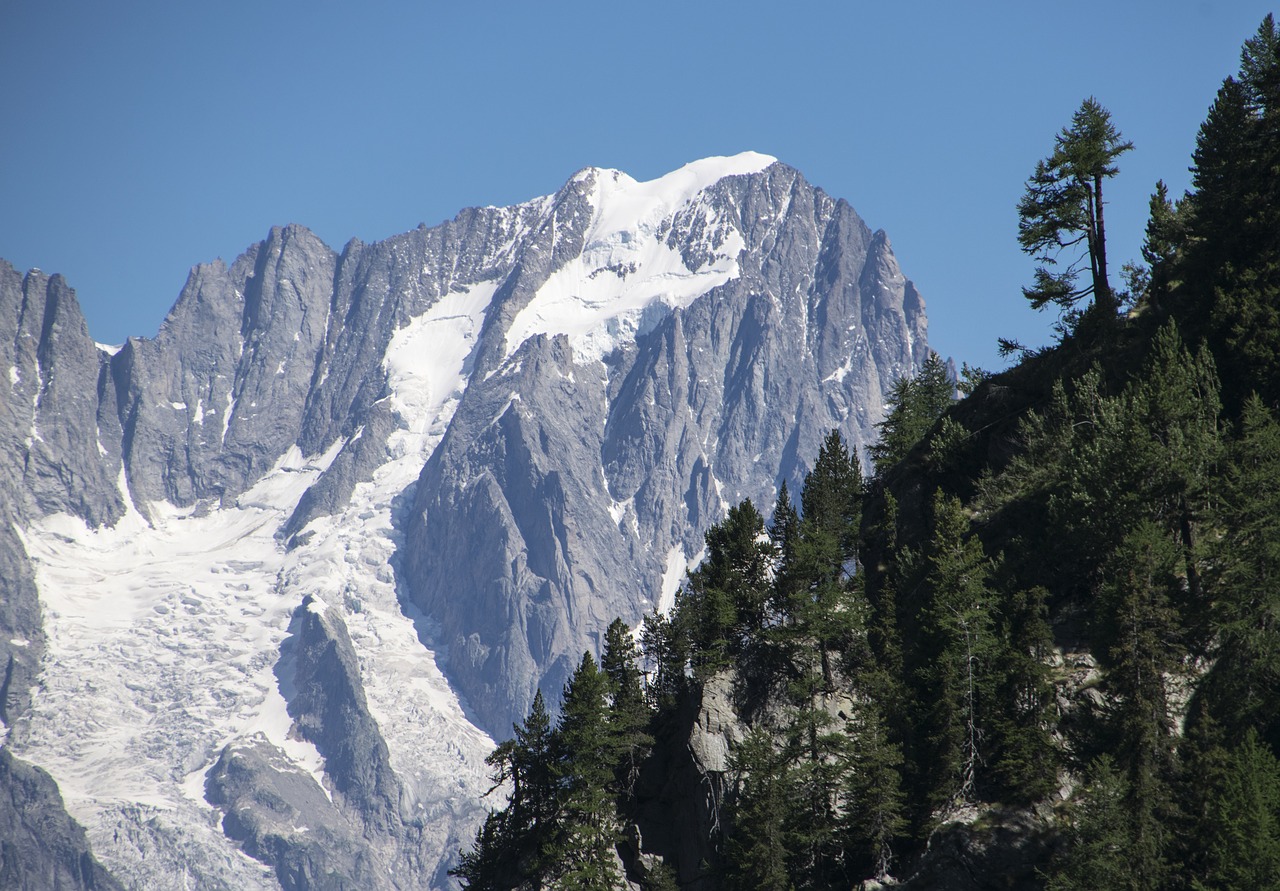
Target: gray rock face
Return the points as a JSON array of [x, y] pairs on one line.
[[41, 848], [327, 701], [551, 402], [510, 543], [56, 452], [281, 816], [218, 396]]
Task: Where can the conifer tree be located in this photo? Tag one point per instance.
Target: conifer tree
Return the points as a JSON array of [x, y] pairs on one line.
[[1165, 236], [727, 594], [1141, 637], [818, 757], [883, 636], [959, 645], [832, 498], [1173, 441], [1063, 209], [1245, 580], [1095, 853], [514, 847], [1240, 834], [784, 532], [760, 845], [875, 808], [1024, 760], [584, 849], [914, 406], [629, 716], [824, 556], [665, 642], [1231, 269]]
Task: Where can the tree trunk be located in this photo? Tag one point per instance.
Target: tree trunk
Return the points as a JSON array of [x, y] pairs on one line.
[[1101, 285]]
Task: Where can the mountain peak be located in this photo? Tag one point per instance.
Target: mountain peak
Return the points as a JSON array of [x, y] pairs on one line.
[[478, 443]]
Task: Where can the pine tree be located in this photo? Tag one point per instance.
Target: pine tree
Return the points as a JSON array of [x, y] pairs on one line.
[[784, 532], [914, 406], [818, 756], [666, 644], [881, 591], [832, 497], [1024, 760], [584, 849], [728, 593], [1231, 272], [1240, 835], [1165, 236], [759, 847], [514, 847], [629, 715], [874, 811], [1063, 209], [1095, 852], [1176, 405], [959, 645], [1141, 641], [1245, 580], [824, 556]]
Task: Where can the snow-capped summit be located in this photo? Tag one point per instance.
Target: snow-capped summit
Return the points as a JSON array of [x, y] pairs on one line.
[[632, 257]]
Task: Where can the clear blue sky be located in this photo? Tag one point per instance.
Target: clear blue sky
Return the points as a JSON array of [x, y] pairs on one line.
[[140, 138]]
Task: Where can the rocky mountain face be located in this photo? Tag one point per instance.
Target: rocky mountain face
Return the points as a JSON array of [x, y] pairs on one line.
[[274, 581]]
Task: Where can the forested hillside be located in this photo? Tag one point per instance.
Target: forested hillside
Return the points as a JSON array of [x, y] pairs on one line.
[[1036, 648]]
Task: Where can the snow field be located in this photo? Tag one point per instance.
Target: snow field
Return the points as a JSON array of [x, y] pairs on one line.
[[162, 640], [627, 276]]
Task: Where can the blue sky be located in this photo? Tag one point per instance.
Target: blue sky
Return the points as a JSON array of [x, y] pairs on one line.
[[138, 139]]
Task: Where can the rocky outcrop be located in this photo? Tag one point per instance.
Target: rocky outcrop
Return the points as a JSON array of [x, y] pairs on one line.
[[1003, 850], [41, 848], [681, 789], [283, 817], [320, 677], [347, 834], [218, 395], [59, 439]]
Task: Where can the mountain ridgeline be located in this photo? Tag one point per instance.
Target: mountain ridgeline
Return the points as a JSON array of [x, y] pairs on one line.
[[1037, 648], [271, 577]]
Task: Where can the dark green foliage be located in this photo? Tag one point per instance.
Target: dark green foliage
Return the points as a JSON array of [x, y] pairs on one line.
[[1022, 757], [586, 768], [727, 595], [1166, 232], [832, 498], [1242, 689], [666, 645], [875, 806], [561, 823], [914, 406], [760, 846], [1141, 643], [1062, 210], [956, 677], [1096, 465], [1095, 852], [629, 715], [1228, 271], [515, 846], [1240, 834]]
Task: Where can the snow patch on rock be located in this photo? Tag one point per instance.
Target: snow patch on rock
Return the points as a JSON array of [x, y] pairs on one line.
[[629, 274]]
